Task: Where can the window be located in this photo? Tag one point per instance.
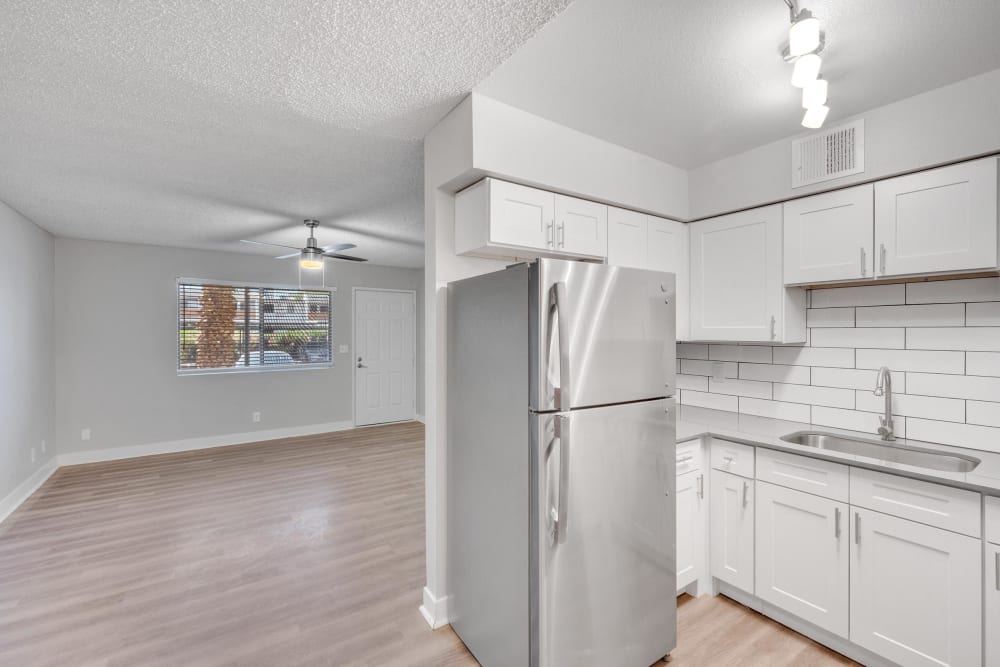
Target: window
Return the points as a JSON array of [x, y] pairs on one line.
[[228, 327]]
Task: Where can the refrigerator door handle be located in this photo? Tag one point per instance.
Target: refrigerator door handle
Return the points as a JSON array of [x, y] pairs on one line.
[[558, 308], [560, 511]]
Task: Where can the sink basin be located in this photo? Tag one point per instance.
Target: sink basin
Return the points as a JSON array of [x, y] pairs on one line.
[[884, 451]]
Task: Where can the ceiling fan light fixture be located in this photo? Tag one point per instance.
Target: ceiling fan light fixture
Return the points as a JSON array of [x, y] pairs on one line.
[[803, 36], [814, 93], [806, 70], [311, 259]]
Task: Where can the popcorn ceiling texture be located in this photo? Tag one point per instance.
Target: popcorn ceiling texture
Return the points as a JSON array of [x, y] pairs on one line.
[[199, 123]]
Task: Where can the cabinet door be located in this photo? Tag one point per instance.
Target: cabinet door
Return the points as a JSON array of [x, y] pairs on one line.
[[937, 221], [992, 605], [626, 238], [736, 277], [732, 534], [581, 227], [667, 246], [520, 216], [690, 527], [802, 555], [916, 591], [830, 237]]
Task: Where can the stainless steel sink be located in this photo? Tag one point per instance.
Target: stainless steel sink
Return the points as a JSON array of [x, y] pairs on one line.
[[883, 451]]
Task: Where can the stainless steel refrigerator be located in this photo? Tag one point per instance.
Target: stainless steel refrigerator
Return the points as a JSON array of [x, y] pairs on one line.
[[560, 456]]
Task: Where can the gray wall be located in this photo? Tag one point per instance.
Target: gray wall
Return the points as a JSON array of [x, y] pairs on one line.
[[116, 308], [26, 408]]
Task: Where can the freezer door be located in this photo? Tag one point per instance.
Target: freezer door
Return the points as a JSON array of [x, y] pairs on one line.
[[600, 335], [604, 574]]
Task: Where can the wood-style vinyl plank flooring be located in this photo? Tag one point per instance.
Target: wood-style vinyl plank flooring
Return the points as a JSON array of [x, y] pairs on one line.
[[305, 551]]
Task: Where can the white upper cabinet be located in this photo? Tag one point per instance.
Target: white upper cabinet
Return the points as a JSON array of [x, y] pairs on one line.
[[643, 241], [499, 219], [802, 555], [581, 227], [916, 591], [937, 221], [829, 237], [737, 285]]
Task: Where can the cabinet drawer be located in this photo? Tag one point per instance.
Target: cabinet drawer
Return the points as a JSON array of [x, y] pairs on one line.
[[932, 504], [822, 478], [688, 457], [993, 520], [732, 457]]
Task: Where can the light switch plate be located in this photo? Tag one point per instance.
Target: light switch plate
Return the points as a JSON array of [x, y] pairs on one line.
[[345, 349]]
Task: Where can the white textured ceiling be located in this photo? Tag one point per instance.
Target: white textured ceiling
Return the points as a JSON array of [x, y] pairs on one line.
[[195, 123], [692, 81]]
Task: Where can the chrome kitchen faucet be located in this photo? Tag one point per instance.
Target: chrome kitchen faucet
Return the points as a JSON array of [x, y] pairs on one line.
[[883, 387]]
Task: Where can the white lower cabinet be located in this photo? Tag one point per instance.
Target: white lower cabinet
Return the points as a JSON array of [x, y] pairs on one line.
[[992, 605], [915, 591], [691, 503], [732, 529], [802, 555]]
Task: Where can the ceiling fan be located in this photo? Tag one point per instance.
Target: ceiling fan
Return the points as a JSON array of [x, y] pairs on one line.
[[311, 257]]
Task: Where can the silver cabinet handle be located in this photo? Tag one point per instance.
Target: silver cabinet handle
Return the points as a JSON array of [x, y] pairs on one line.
[[864, 262], [701, 494], [549, 238], [997, 554], [559, 307], [745, 487], [836, 519], [857, 528], [361, 365], [881, 253], [560, 513], [562, 234], [685, 459], [773, 334]]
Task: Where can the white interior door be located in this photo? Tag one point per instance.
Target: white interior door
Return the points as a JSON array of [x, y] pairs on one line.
[[384, 356]]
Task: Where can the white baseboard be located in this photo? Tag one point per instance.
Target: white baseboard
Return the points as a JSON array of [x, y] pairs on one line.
[[434, 610], [24, 490], [173, 446], [419, 418]]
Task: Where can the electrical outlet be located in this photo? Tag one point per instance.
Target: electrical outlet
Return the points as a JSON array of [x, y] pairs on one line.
[[32, 454], [43, 446], [85, 434], [256, 418]]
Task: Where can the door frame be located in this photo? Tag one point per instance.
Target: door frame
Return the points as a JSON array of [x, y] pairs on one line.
[[354, 349]]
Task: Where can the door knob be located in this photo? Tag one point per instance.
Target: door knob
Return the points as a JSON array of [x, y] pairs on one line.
[[361, 365]]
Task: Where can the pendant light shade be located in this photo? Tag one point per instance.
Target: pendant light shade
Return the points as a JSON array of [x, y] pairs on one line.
[[806, 69], [815, 116], [803, 36], [814, 93]]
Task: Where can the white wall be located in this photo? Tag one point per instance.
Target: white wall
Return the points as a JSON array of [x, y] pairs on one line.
[[116, 310], [940, 339], [484, 137], [946, 124], [26, 370]]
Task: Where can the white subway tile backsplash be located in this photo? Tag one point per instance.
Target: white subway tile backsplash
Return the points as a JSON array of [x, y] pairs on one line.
[[959, 435], [954, 291], [705, 400], [849, 378], [794, 412], [759, 354], [793, 393], [814, 356], [985, 314], [873, 337], [932, 315], [740, 388], [867, 295], [953, 386], [692, 351], [696, 382], [913, 360], [854, 420], [829, 317], [729, 369], [773, 373], [982, 363], [973, 339], [940, 339], [982, 413], [908, 405]]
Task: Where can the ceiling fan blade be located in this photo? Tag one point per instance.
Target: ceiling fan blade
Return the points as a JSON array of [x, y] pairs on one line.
[[276, 245], [338, 246], [289, 255], [347, 257]]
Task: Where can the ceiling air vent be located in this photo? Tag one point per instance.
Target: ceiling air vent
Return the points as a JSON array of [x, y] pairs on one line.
[[839, 151]]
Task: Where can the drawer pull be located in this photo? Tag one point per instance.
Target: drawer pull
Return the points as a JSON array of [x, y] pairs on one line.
[[684, 459]]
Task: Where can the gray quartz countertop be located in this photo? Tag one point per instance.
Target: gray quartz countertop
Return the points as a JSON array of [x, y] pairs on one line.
[[693, 422]]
